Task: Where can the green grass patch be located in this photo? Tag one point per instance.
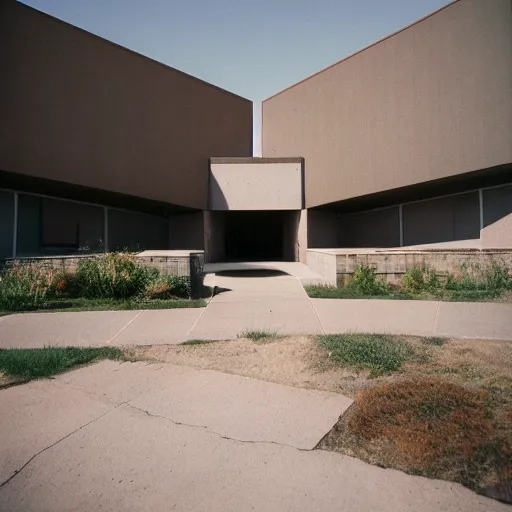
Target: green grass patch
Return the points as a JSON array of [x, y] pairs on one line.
[[259, 335], [45, 362], [379, 353], [81, 304], [335, 292], [197, 342]]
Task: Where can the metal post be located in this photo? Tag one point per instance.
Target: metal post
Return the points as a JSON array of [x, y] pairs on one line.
[[105, 228], [481, 203], [15, 226], [401, 224]]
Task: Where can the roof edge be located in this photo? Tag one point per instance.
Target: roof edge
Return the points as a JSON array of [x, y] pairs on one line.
[[129, 50], [255, 160]]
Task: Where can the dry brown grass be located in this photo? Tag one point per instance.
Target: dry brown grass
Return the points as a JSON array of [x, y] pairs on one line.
[[447, 418]]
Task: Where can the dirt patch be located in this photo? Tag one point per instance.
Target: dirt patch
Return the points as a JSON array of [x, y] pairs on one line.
[[295, 361], [300, 361]]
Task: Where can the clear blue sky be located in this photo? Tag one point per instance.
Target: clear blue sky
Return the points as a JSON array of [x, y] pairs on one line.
[[253, 48]]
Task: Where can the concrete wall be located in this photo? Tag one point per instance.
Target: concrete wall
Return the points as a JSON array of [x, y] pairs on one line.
[[302, 236], [498, 235], [377, 228], [78, 109], [431, 101], [322, 229], [214, 236], [393, 265], [186, 231], [255, 184], [67, 224], [136, 232], [497, 217], [442, 220], [172, 264], [6, 223], [324, 264]]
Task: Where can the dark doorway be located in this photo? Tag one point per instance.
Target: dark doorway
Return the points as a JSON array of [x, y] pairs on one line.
[[255, 235]]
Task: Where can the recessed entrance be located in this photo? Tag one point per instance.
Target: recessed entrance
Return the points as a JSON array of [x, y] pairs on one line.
[[254, 236], [269, 235]]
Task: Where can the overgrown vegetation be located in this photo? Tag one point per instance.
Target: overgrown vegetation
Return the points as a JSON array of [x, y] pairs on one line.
[[379, 353], [118, 279], [470, 283], [44, 362], [25, 287], [79, 304]]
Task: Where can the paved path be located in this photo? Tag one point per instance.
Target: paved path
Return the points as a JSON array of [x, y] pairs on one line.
[[135, 437], [258, 300]]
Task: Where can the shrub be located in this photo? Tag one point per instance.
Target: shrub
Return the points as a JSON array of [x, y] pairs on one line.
[[116, 276], [64, 284], [25, 286], [498, 276], [473, 280], [379, 353], [169, 287], [366, 282], [421, 279]]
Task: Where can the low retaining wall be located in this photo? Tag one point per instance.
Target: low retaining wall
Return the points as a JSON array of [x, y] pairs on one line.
[[338, 266], [177, 264]]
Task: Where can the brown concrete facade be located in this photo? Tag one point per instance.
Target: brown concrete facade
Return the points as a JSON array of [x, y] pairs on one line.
[[430, 102], [81, 110]]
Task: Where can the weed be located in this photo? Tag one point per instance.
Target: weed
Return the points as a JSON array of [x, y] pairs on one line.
[[434, 340], [379, 353], [366, 282], [25, 286], [169, 287], [421, 279], [197, 342], [44, 362], [258, 335]]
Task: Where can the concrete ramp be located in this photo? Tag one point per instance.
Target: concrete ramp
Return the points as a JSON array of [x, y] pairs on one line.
[[253, 297]]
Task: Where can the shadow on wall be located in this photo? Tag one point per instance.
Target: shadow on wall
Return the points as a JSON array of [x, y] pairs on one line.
[[449, 219], [498, 235]]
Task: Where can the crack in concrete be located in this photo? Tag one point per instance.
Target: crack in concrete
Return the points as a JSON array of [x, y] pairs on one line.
[[18, 471], [207, 429]]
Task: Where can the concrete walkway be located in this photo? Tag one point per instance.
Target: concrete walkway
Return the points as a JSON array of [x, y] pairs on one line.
[[258, 299], [136, 436]]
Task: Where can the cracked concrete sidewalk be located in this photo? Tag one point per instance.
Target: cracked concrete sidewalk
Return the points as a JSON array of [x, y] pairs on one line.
[[138, 436], [276, 303]]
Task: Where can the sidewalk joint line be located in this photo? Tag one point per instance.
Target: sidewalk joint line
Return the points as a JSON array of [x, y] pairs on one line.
[[18, 471], [434, 328], [199, 318], [111, 340]]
